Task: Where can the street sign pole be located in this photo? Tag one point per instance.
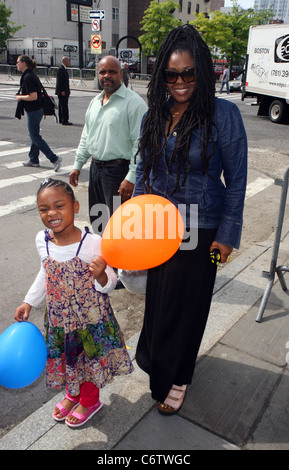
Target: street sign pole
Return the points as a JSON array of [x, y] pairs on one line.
[[96, 26], [96, 48], [95, 15], [80, 43], [78, 11]]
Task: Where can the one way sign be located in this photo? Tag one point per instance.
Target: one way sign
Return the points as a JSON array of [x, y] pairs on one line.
[[99, 14]]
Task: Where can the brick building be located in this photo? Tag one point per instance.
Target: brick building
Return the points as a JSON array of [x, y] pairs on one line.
[[185, 12]]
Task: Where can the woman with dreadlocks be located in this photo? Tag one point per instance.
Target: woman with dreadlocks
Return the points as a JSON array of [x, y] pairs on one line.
[[189, 140]]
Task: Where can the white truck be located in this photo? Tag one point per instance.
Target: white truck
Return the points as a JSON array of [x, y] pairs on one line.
[[46, 51], [266, 75]]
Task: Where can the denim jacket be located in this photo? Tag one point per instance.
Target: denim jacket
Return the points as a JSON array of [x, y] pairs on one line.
[[219, 193]]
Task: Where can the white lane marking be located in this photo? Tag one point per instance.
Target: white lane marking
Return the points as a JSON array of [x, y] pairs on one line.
[[5, 142], [41, 175], [31, 177], [17, 205], [25, 202], [252, 189], [257, 186], [6, 153], [6, 98], [19, 164], [8, 94]]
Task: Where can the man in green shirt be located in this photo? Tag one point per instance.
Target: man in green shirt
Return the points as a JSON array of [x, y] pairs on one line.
[[110, 136]]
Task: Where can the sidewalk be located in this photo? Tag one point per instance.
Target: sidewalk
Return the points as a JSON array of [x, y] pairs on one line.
[[239, 396]]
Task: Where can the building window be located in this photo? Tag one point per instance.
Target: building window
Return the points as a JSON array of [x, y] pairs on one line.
[[180, 5], [189, 7], [197, 8], [115, 13], [114, 40]]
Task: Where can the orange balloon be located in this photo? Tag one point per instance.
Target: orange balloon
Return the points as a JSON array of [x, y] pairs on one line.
[[143, 232]]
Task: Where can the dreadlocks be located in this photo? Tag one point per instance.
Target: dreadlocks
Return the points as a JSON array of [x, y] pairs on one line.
[[199, 114]]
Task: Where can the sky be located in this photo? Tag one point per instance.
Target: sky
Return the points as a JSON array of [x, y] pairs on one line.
[[243, 3]]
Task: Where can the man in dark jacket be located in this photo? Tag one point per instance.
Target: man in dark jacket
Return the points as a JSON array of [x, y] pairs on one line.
[[63, 91]]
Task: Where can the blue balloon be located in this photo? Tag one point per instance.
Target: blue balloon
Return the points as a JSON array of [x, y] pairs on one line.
[[23, 355]]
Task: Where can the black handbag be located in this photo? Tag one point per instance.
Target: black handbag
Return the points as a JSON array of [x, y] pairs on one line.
[[48, 104]]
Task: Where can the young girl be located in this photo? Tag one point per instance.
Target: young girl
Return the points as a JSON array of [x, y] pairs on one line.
[[85, 344]]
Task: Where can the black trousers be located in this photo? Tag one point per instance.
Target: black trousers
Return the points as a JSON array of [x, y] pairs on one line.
[[104, 182], [178, 300], [63, 113]]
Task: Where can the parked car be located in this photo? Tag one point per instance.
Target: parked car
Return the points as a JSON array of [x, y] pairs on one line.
[[91, 64], [151, 63], [135, 68], [236, 70], [236, 84], [234, 73]]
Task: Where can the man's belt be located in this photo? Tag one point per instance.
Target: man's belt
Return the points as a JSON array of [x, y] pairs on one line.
[[110, 163]]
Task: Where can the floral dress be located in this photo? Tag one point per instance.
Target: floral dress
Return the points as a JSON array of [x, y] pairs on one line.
[[84, 340]]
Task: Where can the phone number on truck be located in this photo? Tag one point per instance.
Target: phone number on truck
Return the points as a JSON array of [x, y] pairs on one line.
[[280, 73]]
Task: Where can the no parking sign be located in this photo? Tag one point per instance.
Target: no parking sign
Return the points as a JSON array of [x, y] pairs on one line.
[[95, 44]]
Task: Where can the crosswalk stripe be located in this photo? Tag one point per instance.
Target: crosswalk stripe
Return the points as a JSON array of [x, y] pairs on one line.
[[5, 142], [17, 205], [33, 176], [21, 203], [257, 186], [230, 97], [7, 153], [253, 188], [7, 98], [7, 94], [29, 201], [12, 165]]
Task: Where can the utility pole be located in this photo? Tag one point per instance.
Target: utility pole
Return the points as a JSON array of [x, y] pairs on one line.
[[80, 44]]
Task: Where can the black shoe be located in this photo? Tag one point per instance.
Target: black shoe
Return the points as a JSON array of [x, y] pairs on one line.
[[67, 123], [36, 165]]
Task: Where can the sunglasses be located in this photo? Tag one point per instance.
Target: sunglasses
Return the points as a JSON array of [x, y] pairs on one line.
[[187, 76]]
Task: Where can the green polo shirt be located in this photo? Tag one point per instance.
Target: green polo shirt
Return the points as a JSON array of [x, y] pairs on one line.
[[111, 131]]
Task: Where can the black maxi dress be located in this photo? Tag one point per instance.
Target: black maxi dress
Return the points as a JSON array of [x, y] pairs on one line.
[[178, 300]]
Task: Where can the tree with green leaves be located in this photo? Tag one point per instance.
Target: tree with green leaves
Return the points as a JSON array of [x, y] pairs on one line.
[[227, 33], [157, 22], [7, 28]]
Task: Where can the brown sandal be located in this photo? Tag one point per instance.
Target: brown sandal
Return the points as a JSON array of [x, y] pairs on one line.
[[176, 397]]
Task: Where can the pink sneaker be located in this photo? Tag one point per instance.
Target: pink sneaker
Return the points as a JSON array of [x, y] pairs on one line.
[[83, 418]]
